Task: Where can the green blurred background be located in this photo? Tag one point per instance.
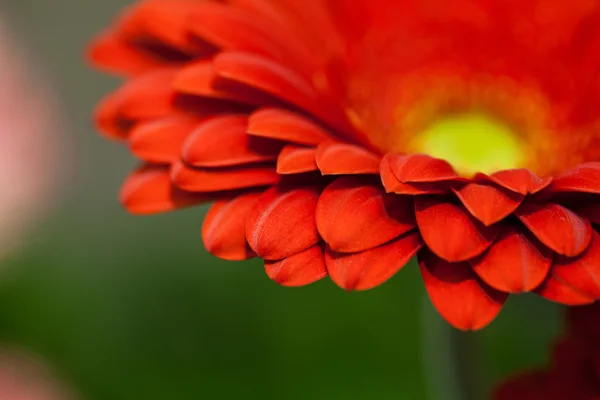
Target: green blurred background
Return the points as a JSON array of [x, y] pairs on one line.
[[134, 308]]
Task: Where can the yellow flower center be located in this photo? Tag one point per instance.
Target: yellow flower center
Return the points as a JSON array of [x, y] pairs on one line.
[[472, 142]]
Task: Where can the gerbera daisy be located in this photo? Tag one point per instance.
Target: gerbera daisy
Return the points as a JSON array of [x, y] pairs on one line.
[[342, 137], [575, 370]]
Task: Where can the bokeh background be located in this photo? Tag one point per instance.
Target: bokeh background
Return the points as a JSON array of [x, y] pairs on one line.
[[130, 307]]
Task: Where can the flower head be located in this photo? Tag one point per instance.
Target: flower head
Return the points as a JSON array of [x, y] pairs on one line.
[[340, 138], [575, 369]]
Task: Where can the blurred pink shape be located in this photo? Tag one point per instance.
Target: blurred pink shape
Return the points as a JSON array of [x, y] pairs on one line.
[[23, 377], [29, 131]]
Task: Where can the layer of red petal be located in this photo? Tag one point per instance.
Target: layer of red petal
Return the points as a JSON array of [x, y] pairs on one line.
[[557, 227], [582, 272], [296, 160], [221, 179], [224, 228], [284, 83], [113, 54], [149, 190], [450, 231], [222, 142], [487, 202], [367, 269], [392, 184], [201, 79], [287, 126], [556, 290], [282, 223], [299, 269], [421, 168], [458, 294], [253, 33], [160, 140], [521, 181], [334, 158], [515, 263], [585, 178], [355, 214]]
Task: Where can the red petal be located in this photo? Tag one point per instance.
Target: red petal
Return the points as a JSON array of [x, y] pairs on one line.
[[283, 223], [149, 191], [298, 270], [363, 271], [488, 203], [223, 142], [416, 168], [354, 215], [296, 160], [513, 264], [220, 179], [148, 96], [268, 75], [197, 78], [161, 140], [585, 178], [284, 83], [458, 295], [521, 181], [341, 159], [582, 272], [224, 228], [557, 227], [450, 231], [287, 126], [310, 21], [112, 54], [393, 185], [252, 33], [200, 78], [108, 118], [556, 290], [167, 21]]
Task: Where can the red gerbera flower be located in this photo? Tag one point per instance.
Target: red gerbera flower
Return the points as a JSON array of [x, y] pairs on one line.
[[575, 370], [342, 137]]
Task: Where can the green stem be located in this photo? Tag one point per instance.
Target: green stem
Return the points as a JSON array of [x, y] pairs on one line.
[[452, 362]]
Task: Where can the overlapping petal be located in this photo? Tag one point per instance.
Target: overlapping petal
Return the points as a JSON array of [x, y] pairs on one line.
[[515, 262], [149, 190], [450, 231], [335, 158], [367, 269], [458, 294], [282, 223], [299, 269], [557, 227], [355, 215], [224, 228]]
